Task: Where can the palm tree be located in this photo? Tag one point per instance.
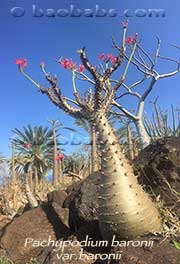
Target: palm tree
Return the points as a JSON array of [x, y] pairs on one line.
[[57, 166], [54, 124], [34, 150], [91, 130]]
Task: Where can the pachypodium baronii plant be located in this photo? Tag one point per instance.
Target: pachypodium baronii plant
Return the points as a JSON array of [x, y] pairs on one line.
[[125, 210], [146, 66]]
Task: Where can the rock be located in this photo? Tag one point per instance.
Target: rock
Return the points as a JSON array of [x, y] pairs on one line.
[[70, 255], [57, 196], [92, 230], [82, 202], [49, 221], [158, 169]]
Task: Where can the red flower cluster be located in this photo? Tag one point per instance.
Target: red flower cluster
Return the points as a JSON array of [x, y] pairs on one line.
[[21, 62], [102, 56], [60, 157], [27, 145], [69, 64], [131, 40], [107, 58], [81, 68]]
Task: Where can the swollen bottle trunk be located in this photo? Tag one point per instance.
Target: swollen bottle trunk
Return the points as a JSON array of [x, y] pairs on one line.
[[94, 151], [125, 210]]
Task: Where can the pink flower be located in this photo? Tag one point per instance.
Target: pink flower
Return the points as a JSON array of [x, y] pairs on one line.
[[65, 63], [113, 60], [72, 65], [101, 56], [27, 145], [110, 56], [130, 40], [60, 157], [22, 63], [107, 58], [68, 64], [81, 68]]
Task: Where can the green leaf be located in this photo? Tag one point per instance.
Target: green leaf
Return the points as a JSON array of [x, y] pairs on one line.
[[176, 244]]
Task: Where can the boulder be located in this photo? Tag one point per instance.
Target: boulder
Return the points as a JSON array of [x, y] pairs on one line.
[[57, 196], [159, 251], [48, 222], [71, 254], [82, 202], [158, 169]]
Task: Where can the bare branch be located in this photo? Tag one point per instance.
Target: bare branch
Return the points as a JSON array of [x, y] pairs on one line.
[[85, 77], [141, 58], [125, 111], [138, 82], [149, 89], [168, 59], [71, 101], [175, 46], [157, 51], [55, 95], [146, 54], [115, 44], [141, 62], [113, 68], [87, 64], [165, 75], [137, 66], [129, 92]]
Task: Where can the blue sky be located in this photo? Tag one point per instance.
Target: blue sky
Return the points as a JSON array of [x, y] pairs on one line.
[[47, 38]]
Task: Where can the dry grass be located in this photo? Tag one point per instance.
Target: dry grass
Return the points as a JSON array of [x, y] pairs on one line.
[[13, 198], [4, 260], [170, 220]]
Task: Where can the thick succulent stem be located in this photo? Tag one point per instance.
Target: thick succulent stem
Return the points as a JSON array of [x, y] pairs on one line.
[[94, 151], [142, 133], [130, 142], [125, 210]]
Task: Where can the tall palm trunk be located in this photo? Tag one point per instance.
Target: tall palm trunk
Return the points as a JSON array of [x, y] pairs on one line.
[[31, 185], [125, 210], [55, 162], [13, 179], [94, 151], [60, 169], [36, 179]]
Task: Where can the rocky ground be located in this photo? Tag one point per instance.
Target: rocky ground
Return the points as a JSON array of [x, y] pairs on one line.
[[70, 216]]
